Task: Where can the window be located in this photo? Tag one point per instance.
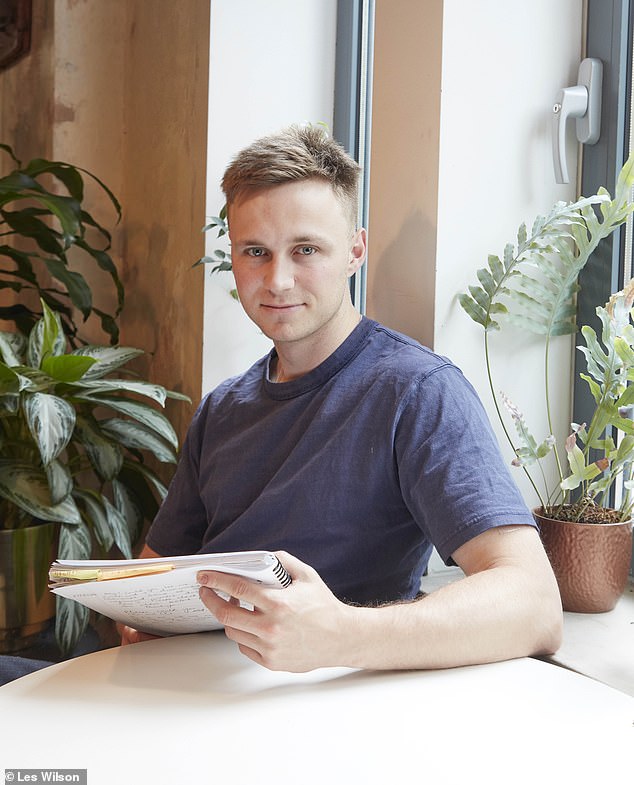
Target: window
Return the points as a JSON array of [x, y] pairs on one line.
[[609, 37]]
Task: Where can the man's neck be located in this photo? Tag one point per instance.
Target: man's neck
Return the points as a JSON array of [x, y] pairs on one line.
[[295, 359]]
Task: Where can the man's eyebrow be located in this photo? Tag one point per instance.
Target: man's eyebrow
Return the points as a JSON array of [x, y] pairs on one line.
[[246, 242], [309, 239], [306, 239]]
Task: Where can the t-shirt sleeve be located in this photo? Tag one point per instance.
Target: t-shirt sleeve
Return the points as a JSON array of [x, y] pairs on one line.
[[452, 474], [180, 524]]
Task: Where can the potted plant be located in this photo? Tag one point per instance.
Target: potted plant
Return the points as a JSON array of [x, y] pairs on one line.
[[45, 227], [533, 287], [73, 447]]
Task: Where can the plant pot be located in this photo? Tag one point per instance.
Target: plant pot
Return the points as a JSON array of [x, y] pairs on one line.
[[591, 561], [26, 605]]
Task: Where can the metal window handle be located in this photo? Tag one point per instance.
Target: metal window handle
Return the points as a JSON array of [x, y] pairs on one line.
[[583, 103]]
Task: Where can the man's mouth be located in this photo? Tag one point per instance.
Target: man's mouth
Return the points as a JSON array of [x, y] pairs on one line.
[[281, 307]]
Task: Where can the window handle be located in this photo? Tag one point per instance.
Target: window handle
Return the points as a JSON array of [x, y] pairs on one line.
[[583, 103]]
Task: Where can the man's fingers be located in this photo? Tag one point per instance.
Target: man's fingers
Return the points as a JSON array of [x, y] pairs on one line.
[[229, 612], [130, 635]]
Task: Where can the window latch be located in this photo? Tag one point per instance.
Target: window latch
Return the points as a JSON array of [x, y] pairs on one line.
[[583, 103]]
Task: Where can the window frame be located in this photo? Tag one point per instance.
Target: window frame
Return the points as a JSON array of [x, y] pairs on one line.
[[353, 105], [609, 37]]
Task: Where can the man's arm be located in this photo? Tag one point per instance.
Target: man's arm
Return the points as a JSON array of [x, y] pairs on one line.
[[507, 606]]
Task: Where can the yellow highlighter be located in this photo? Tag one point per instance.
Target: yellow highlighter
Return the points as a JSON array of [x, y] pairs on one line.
[[63, 574]]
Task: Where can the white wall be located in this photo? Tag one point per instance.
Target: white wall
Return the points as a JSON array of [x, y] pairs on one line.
[[461, 156], [503, 64], [271, 64]]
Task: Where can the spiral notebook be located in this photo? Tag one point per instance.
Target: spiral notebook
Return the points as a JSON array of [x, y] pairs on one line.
[[159, 596]]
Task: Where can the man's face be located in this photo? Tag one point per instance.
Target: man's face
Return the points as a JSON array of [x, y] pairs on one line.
[[293, 251]]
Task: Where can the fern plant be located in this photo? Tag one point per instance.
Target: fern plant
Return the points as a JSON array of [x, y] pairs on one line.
[[533, 286]]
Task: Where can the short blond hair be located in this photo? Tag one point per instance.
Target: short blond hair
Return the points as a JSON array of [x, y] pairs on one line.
[[293, 154]]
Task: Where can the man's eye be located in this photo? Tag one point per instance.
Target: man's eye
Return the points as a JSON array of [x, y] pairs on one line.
[[306, 250], [255, 252]]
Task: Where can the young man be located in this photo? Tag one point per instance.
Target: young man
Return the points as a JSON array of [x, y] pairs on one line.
[[350, 448]]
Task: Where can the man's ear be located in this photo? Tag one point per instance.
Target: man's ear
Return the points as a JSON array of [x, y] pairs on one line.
[[358, 251]]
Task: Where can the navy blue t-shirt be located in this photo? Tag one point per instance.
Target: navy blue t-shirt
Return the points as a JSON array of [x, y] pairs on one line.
[[356, 468]]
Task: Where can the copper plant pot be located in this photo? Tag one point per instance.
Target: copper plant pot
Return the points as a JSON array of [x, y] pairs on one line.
[[591, 561]]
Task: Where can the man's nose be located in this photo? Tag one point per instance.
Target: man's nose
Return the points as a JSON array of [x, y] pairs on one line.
[[280, 274]]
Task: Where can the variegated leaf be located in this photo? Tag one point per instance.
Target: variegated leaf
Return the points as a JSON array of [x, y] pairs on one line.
[[12, 348], [95, 513], [153, 391], [138, 411], [51, 421], [105, 455], [59, 479], [27, 487], [71, 621], [74, 542], [44, 340], [108, 358], [71, 617], [119, 527], [148, 475], [134, 435], [129, 508]]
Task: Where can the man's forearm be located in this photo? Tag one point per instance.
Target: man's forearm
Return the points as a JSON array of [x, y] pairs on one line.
[[493, 615]]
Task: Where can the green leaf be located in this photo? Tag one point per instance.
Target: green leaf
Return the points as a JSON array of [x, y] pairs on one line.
[[9, 381], [67, 211], [576, 460], [627, 398], [487, 281], [67, 174], [75, 284], [67, 368], [472, 309], [480, 296]]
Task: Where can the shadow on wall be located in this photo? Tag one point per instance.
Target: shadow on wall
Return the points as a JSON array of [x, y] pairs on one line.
[[402, 280]]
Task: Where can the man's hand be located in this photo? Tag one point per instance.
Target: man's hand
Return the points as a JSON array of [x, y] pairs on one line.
[[294, 629], [130, 635]]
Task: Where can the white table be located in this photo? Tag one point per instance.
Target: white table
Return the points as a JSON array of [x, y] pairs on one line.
[[191, 709]]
